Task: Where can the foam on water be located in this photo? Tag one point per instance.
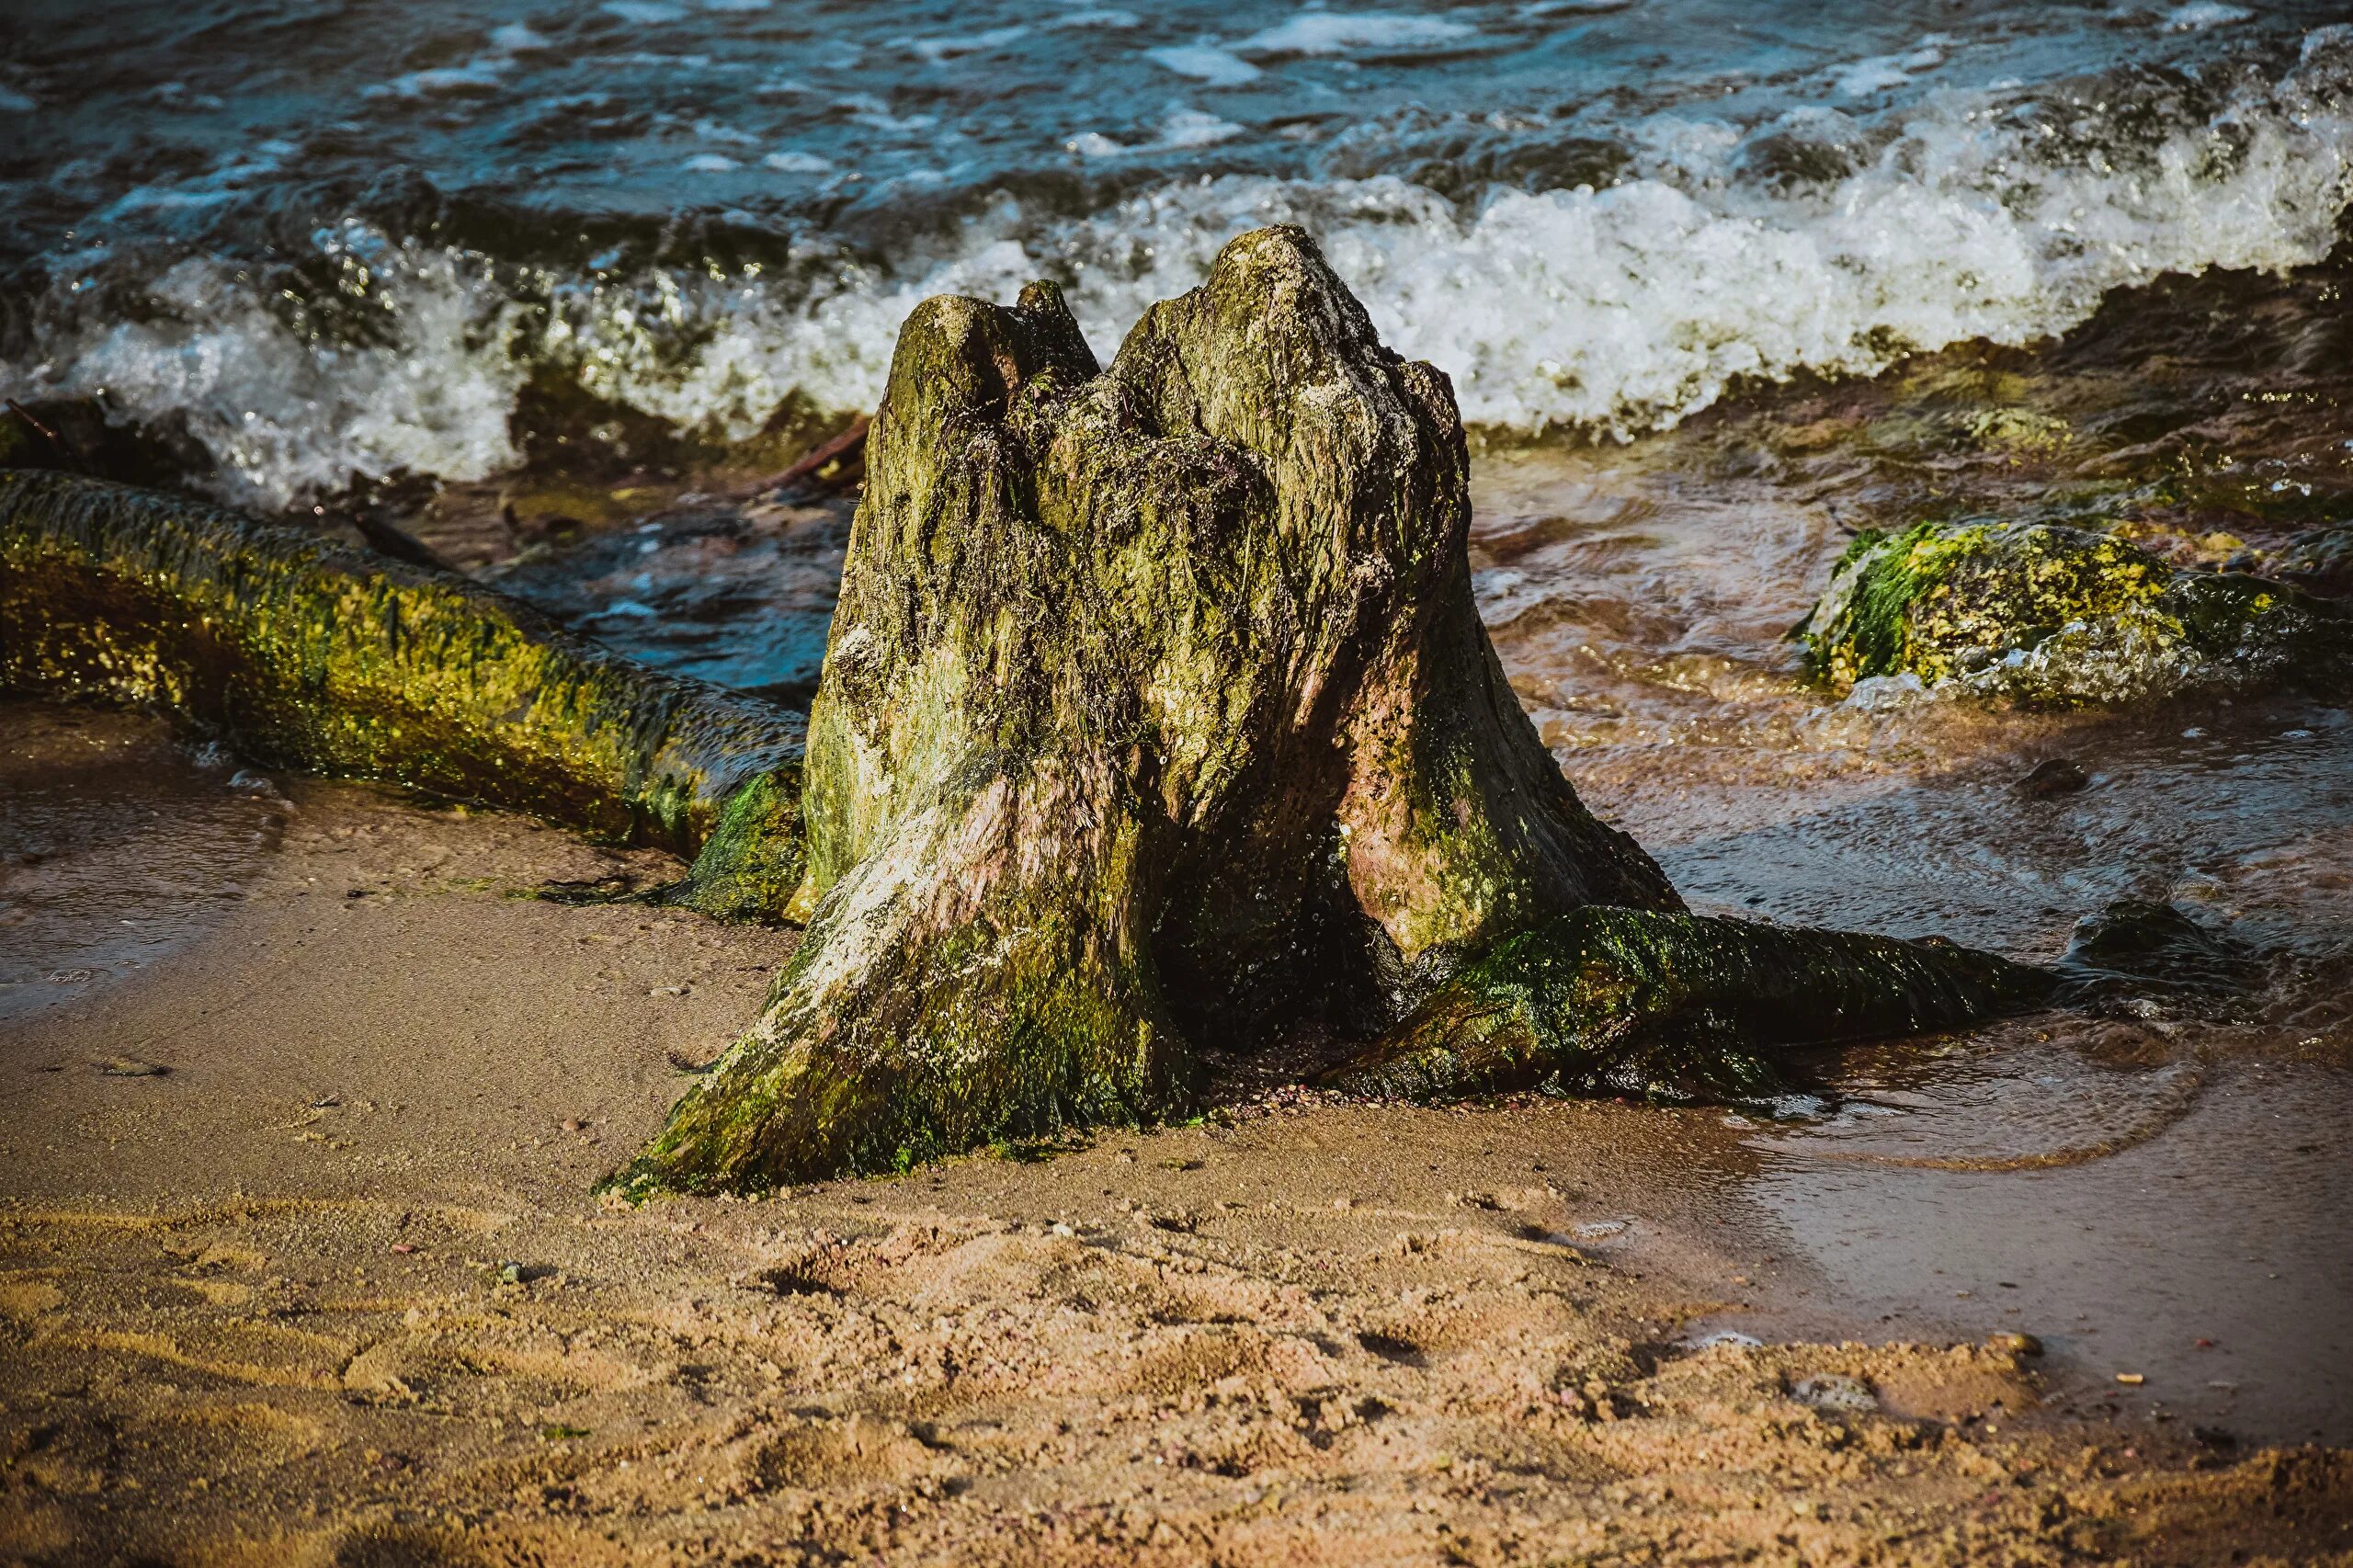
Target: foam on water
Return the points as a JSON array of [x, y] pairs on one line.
[[1983, 212], [1335, 32], [1204, 62]]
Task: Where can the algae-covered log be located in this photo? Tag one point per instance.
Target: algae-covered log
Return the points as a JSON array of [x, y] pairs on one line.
[[307, 653], [2062, 615], [1157, 715]]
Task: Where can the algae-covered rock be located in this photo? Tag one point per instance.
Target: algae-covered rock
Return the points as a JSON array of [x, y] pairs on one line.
[[2060, 615]]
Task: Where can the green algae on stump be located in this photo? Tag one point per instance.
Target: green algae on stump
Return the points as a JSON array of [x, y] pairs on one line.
[[307, 653], [2061, 615], [1156, 710], [1157, 715]]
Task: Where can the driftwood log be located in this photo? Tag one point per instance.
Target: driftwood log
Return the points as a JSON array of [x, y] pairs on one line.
[[1156, 716], [307, 653]]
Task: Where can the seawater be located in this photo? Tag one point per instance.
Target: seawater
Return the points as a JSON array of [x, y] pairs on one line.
[[330, 238]]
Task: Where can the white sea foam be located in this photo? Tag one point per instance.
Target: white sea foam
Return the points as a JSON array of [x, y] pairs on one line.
[[1622, 309], [482, 74], [475, 75], [1612, 311], [1337, 32], [518, 38], [2201, 15], [1191, 128], [1184, 128], [940, 50], [1204, 63], [1883, 71], [284, 415]]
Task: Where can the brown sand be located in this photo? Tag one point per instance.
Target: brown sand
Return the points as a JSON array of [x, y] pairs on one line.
[[331, 1289]]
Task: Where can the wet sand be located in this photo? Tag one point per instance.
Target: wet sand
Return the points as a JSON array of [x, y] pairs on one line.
[[331, 1287]]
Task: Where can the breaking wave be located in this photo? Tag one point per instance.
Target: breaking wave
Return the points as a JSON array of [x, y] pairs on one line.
[[1720, 255]]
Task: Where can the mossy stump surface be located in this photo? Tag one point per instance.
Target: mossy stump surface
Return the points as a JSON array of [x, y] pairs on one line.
[[1157, 715]]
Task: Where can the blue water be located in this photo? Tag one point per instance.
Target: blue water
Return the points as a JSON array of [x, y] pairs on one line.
[[338, 236]]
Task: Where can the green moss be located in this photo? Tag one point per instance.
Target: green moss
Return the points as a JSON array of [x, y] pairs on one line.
[[2061, 615], [1674, 1007], [2018, 430], [868, 1061], [752, 864], [305, 653]]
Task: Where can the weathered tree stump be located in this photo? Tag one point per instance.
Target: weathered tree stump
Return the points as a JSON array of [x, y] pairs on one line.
[[1157, 714]]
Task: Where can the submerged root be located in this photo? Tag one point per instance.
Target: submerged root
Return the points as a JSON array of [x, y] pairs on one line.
[[1674, 1006]]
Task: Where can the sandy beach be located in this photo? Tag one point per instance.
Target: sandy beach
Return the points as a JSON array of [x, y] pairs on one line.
[[302, 1265]]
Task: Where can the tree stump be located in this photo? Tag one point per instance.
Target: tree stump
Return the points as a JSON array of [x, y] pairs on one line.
[[1157, 714]]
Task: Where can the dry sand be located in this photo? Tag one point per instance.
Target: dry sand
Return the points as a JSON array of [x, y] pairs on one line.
[[332, 1288]]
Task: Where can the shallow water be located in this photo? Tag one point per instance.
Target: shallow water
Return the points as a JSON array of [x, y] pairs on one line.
[[739, 596], [2151, 1195], [2210, 1257], [117, 846]]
